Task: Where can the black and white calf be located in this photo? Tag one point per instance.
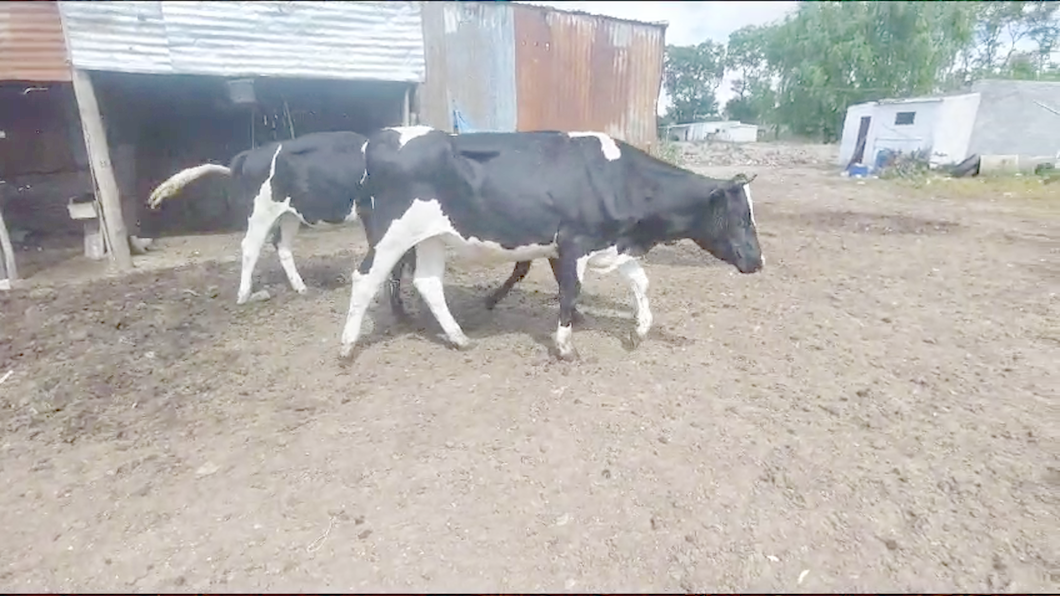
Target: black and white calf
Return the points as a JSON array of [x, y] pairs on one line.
[[583, 199], [313, 179]]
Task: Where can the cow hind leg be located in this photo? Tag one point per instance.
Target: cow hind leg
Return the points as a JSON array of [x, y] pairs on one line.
[[258, 227], [289, 225], [397, 306], [365, 282], [568, 297], [518, 273], [638, 281], [428, 279]]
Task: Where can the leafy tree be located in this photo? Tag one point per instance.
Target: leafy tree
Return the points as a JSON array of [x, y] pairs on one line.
[[1000, 27], [746, 56], [692, 75], [829, 55]]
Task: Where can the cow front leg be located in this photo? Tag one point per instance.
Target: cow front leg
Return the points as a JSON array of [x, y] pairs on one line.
[[568, 297], [428, 279], [258, 227], [518, 273], [364, 284], [289, 225], [576, 316], [638, 281]]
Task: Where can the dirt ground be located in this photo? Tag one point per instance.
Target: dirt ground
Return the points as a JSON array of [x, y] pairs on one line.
[[876, 411]]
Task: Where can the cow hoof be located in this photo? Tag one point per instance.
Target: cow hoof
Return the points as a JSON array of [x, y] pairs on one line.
[[346, 352], [461, 346], [490, 303], [569, 355], [633, 340], [302, 290], [259, 296]]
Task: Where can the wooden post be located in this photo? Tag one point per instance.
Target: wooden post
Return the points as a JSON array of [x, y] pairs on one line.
[[108, 197], [406, 111], [8, 250]]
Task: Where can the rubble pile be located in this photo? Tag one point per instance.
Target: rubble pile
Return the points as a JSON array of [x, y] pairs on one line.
[[758, 154]]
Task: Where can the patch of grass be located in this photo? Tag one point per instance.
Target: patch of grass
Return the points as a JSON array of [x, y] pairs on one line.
[[668, 152], [1030, 191]]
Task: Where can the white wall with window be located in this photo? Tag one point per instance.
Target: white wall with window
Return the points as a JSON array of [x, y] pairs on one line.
[[941, 126]]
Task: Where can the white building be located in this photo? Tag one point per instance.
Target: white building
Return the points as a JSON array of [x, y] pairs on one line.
[[730, 131], [996, 117]]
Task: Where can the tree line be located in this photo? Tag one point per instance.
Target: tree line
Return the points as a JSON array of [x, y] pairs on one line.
[[800, 74]]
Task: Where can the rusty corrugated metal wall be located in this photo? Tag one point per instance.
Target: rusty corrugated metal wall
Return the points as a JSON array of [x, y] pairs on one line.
[[32, 47], [470, 51], [585, 72]]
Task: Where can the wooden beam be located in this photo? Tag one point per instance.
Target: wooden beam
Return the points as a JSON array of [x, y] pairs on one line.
[[8, 250], [108, 197], [406, 112]]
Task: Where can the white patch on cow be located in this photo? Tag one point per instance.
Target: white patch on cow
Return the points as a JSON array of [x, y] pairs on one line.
[[564, 343], [428, 217], [607, 144], [750, 202], [751, 210], [608, 260], [264, 214], [407, 133]]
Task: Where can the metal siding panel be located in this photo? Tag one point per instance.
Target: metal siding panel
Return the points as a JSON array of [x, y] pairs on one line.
[[434, 92], [480, 64], [118, 36], [336, 40], [585, 72], [32, 47]]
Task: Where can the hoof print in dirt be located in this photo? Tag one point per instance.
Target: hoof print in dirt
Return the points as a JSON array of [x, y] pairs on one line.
[[632, 341]]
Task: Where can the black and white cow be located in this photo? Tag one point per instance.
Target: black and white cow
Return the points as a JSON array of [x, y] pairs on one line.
[[312, 179], [583, 199], [315, 178]]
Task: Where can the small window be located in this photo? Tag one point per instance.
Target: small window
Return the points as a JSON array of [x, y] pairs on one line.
[[904, 118]]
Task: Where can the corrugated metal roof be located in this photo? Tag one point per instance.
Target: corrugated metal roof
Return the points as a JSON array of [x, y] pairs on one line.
[[31, 42], [339, 40]]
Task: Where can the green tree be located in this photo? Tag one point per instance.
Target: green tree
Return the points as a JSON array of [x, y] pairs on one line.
[[745, 56], [1002, 26], [692, 75], [830, 55]]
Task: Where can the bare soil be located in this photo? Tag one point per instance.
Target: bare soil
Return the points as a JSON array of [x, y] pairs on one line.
[[876, 411]]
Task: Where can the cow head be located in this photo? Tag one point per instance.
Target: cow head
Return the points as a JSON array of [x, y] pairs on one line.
[[727, 229]]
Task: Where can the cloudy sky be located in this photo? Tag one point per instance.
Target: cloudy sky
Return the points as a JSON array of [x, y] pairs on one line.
[[690, 22]]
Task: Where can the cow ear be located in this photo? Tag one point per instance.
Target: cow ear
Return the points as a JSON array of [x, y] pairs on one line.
[[741, 179]]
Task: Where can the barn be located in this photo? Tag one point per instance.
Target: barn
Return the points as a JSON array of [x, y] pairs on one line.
[[992, 117], [182, 83]]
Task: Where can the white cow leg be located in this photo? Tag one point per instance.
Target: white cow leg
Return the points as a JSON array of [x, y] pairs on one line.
[[289, 225], [364, 287], [638, 281], [258, 228], [430, 271]]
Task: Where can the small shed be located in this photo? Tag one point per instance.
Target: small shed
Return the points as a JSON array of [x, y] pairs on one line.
[[728, 131], [992, 117], [505, 66]]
